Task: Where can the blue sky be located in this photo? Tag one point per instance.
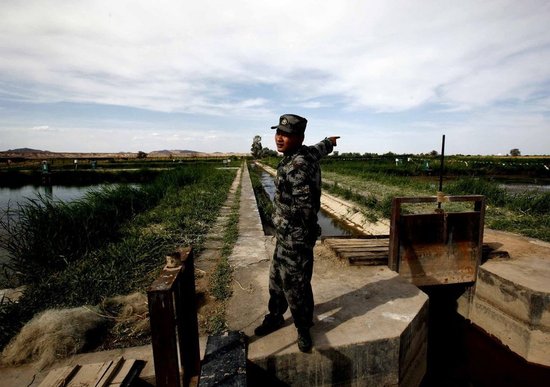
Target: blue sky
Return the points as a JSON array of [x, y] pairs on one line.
[[110, 76]]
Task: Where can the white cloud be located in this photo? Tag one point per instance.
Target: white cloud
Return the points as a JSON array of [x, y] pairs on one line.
[[251, 59], [181, 56]]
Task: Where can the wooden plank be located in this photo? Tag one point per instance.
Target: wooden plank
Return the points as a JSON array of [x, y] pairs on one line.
[[109, 372], [361, 237], [59, 376], [358, 248], [366, 251], [361, 242], [368, 262], [88, 375], [363, 247], [367, 257], [127, 372]]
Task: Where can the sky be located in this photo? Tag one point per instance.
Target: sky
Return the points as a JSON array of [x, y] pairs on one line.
[[386, 76]]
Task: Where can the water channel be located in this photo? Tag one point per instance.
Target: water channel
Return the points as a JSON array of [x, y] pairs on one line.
[[329, 226]]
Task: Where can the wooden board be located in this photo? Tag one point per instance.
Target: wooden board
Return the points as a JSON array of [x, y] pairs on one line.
[[360, 251], [59, 376], [117, 372]]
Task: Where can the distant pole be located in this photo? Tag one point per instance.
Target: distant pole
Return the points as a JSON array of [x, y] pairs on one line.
[[441, 166]]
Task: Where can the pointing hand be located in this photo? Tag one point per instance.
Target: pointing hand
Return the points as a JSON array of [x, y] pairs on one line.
[[333, 139]]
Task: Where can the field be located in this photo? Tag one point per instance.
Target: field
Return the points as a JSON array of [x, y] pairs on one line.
[[114, 240], [372, 182]]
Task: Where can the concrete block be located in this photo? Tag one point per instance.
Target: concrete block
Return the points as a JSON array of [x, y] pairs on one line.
[[511, 300]]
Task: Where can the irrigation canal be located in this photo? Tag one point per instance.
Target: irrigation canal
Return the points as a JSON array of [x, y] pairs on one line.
[[329, 226]]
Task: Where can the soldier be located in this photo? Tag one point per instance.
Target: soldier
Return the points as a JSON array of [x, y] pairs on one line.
[[297, 201]]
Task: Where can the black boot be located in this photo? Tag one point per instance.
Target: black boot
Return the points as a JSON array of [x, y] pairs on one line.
[[304, 340], [270, 324]]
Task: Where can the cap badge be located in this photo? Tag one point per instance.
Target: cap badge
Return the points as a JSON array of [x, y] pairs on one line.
[[284, 121]]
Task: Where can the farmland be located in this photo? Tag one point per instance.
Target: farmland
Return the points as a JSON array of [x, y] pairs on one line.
[[371, 182], [113, 241]]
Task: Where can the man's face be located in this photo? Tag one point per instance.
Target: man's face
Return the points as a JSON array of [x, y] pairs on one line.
[[287, 142]]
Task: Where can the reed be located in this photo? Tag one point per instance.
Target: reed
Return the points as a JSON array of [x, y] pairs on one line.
[[177, 209]]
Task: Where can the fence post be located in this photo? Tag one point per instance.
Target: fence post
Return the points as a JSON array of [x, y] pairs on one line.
[[173, 317]]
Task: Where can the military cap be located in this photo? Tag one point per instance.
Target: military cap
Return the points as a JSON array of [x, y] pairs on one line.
[[291, 123]]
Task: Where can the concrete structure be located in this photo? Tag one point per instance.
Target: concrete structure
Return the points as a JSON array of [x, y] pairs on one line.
[[511, 299], [370, 329]]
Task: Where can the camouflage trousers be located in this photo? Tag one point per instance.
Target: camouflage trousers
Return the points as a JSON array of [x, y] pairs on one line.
[[290, 282]]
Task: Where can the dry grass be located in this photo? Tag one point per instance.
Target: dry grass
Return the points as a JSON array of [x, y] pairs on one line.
[[58, 333], [53, 334]]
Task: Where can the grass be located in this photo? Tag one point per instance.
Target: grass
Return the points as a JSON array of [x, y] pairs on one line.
[[371, 183], [220, 281], [176, 210], [524, 213]]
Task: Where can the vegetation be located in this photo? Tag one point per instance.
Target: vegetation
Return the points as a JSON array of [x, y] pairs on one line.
[[220, 282], [111, 242], [372, 181]]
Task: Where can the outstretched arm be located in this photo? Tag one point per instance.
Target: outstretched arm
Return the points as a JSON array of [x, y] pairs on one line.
[[323, 148]]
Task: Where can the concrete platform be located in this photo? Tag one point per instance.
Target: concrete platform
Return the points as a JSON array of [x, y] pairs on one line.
[[511, 299], [370, 328]]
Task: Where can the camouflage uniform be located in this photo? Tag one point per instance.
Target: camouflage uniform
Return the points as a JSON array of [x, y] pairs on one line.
[[297, 201]]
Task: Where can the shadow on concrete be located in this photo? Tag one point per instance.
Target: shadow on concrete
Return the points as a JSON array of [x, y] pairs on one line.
[[351, 352], [349, 306]]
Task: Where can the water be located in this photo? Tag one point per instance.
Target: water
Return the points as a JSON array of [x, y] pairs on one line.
[[15, 196], [329, 226], [521, 188], [12, 197]]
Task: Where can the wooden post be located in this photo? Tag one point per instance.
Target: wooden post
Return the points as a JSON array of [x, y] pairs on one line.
[[188, 325], [174, 326]]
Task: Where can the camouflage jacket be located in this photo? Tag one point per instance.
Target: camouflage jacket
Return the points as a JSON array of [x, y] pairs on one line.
[[298, 193]]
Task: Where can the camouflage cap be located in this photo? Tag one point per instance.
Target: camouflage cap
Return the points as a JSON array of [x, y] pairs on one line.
[[291, 123]]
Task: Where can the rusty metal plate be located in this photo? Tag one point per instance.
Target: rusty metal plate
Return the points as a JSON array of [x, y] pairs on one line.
[[437, 248]]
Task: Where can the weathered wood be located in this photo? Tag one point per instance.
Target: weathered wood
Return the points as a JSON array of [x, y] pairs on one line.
[[89, 375], [174, 325], [366, 252], [59, 376], [440, 247], [128, 371], [117, 372], [109, 371]]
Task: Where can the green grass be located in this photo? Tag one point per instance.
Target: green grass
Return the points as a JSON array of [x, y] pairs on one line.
[[220, 282], [182, 206], [525, 213]]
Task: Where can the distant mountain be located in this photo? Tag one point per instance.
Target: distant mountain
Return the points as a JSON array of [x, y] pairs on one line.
[[173, 152], [28, 153], [27, 150]]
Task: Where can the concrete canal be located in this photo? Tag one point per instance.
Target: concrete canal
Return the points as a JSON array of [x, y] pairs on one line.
[[459, 353], [329, 225]]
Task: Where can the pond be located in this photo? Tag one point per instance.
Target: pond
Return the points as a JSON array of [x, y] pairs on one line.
[[12, 197], [15, 196]]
